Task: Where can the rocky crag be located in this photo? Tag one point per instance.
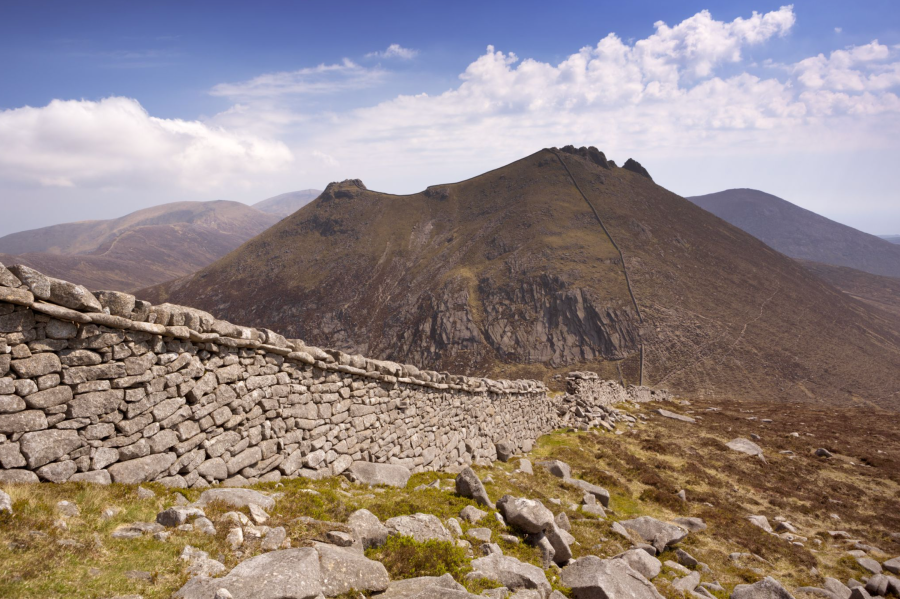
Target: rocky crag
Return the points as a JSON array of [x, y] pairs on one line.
[[102, 387]]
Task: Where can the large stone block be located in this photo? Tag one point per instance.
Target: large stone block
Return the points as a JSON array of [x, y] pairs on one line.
[[29, 420], [141, 469], [36, 366], [49, 398], [42, 447], [95, 404]]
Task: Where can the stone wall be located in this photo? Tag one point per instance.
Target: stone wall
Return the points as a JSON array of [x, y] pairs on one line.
[[102, 387]]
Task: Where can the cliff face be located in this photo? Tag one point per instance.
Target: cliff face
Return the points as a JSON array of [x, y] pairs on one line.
[[558, 261]]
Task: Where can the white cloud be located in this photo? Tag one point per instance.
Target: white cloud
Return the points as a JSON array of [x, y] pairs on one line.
[[838, 29], [116, 143], [395, 51], [856, 68], [322, 79]]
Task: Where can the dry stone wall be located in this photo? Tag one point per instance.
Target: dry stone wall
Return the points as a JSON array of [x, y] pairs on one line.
[[103, 387]]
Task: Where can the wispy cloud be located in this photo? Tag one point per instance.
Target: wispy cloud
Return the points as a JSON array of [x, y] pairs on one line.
[[322, 79], [395, 51]]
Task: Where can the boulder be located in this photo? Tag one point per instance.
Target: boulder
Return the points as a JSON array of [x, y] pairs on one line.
[[692, 524], [745, 446], [118, 303], [767, 588], [426, 587], [284, 574], [36, 366], [642, 562], [421, 527], [472, 514], [505, 450], [371, 473], [601, 494], [687, 583], [877, 585], [525, 466], [469, 485], [236, 498], [867, 563], [16, 476], [29, 420], [176, 516], [528, 515], [837, 588], [343, 570], [657, 533], [892, 565], [5, 502], [593, 578], [760, 521], [557, 468], [674, 416], [367, 528], [511, 573]]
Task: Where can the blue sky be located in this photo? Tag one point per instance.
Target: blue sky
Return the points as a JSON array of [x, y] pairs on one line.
[[107, 107]]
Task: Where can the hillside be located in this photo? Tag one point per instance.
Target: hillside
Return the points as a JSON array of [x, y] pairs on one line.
[[799, 233], [879, 292], [287, 203], [510, 273], [142, 248]]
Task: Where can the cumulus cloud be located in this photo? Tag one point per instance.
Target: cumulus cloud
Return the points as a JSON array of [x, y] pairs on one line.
[[321, 79], [115, 142], [856, 69], [395, 51]]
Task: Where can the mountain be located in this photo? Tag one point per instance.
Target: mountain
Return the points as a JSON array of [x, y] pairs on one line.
[[879, 292], [891, 238], [559, 261], [287, 203], [140, 249], [802, 234]]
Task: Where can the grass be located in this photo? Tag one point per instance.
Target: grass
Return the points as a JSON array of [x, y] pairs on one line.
[[642, 468]]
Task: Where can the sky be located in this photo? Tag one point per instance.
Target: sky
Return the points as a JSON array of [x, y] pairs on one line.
[[109, 107]]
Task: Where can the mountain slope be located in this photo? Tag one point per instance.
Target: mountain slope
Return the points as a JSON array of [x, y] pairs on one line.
[[802, 234], [879, 292], [511, 273], [891, 238], [287, 203], [142, 248]]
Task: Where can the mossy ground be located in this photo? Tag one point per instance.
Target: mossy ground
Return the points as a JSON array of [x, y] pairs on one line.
[[643, 468]]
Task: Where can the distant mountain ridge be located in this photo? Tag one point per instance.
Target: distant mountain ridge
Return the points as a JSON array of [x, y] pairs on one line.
[[142, 248], [891, 238], [800, 233], [559, 261], [287, 203]]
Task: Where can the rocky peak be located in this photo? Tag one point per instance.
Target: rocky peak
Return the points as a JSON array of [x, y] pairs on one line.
[[590, 153], [348, 188], [635, 167]]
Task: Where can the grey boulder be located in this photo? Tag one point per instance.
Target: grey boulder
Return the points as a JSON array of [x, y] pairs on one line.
[[557, 468], [469, 485], [512, 573], [528, 515], [745, 446], [284, 574], [426, 587], [657, 533], [343, 570], [593, 578], [367, 528], [642, 562], [767, 588], [421, 527]]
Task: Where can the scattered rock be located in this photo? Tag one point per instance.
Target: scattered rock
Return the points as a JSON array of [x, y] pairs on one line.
[[685, 559], [344, 570], [5, 503], [511, 573], [562, 522], [642, 562], [368, 528], [143, 493], [505, 450], [892, 565], [877, 585], [823, 453], [745, 446], [761, 521], [867, 563], [176, 516], [557, 468], [593, 578], [767, 588], [258, 514], [427, 587], [674, 416], [525, 467], [528, 515], [421, 527], [471, 514], [659, 534], [68, 509], [688, 583], [479, 534], [692, 524], [600, 493], [468, 485]]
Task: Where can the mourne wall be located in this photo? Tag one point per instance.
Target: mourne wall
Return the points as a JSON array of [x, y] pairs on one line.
[[101, 387]]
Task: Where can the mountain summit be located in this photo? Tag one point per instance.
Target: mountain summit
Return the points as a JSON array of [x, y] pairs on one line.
[[558, 261]]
